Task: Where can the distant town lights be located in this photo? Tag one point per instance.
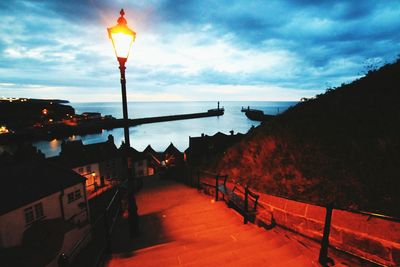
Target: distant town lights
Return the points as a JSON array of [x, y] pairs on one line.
[[122, 37]]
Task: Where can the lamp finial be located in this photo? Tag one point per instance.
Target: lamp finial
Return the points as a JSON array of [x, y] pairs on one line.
[[121, 19]]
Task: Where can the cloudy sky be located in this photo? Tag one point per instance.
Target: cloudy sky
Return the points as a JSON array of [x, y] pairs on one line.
[[193, 50]]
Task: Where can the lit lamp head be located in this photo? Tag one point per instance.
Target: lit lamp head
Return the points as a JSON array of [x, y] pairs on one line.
[[122, 38]]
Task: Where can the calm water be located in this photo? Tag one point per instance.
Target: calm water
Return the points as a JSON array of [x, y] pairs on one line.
[[160, 135]]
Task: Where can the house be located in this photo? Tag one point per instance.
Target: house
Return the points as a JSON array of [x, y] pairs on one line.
[[100, 163], [44, 211], [149, 162], [146, 162], [204, 147], [172, 156]]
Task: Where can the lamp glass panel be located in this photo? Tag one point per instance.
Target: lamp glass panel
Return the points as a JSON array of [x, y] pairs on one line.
[[122, 43]]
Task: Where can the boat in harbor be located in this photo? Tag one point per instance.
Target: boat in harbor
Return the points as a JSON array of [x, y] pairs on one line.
[[256, 114]]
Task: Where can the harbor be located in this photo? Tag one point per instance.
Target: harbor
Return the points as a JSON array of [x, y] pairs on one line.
[[90, 126]]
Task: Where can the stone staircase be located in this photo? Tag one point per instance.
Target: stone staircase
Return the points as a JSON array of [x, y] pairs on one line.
[[182, 227]]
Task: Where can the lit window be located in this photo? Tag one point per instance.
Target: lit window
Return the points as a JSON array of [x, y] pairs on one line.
[[39, 210], [78, 194], [70, 197], [29, 216]]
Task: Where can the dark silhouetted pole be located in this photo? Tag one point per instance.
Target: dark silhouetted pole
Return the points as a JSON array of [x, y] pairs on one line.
[[323, 253], [246, 203], [122, 38], [63, 260], [124, 101], [107, 232], [216, 187]]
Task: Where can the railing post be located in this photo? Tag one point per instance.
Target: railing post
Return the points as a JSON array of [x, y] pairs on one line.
[[246, 203], [63, 260], [323, 253], [107, 232], [216, 187], [198, 179]]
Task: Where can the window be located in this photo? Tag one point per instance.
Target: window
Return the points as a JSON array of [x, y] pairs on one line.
[[71, 197], [29, 216], [74, 196], [78, 194], [33, 213], [88, 168], [39, 210], [80, 170]]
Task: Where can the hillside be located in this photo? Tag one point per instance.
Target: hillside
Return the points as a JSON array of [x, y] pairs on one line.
[[342, 146]]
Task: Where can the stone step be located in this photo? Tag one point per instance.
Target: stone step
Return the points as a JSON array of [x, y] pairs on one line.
[[185, 228], [230, 254], [210, 229], [262, 258], [299, 261], [191, 251]]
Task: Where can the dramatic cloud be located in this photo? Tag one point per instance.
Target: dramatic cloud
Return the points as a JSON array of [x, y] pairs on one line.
[[193, 50]]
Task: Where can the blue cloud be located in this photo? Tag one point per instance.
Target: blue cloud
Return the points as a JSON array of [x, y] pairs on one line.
[[53, 43]]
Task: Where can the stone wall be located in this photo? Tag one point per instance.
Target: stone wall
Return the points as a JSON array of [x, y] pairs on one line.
[[365, 236]]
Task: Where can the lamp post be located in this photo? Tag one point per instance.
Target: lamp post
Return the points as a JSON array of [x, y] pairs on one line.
[[122, 39]]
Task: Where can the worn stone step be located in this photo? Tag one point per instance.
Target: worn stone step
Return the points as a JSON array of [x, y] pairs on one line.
[[229, 254], [185, 253], [299, 261], [274, 257], [198, 232]]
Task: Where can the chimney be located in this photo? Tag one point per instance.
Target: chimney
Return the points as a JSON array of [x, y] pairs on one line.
[[111, 138], [231, 131], [202, 135]]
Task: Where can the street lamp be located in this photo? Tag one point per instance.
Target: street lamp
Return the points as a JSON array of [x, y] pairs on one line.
[[122, 39]]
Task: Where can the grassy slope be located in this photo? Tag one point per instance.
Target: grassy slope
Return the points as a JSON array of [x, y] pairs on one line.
[[343, 146]]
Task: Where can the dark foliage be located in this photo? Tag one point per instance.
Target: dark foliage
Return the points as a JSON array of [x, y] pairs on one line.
[[341, 146]]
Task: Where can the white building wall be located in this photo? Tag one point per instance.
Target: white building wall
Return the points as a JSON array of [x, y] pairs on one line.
[[12, 224], [73, 209]]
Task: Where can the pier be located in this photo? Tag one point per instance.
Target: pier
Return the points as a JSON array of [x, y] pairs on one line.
[[57, 130]]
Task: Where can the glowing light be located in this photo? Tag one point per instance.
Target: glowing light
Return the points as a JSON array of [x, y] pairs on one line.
[[3, 129], [54, 144], [122, 44], [45, 111], [93, 174], [122, 37]]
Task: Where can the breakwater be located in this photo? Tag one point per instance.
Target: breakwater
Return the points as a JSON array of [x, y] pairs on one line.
[[58, 130]]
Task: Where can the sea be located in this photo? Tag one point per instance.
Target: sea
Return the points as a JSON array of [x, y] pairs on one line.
[[160, 135]]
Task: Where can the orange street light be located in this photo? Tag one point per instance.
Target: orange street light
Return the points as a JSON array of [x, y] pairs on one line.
[[122, 38]]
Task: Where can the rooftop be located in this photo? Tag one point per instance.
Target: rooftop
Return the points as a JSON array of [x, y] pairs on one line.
[[26, 182]]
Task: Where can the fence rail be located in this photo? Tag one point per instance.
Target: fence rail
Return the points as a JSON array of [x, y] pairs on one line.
[[323, 255], [99, 235]]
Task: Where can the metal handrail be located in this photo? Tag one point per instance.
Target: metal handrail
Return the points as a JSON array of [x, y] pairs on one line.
[[64, 257], [323, 255], [367, 213]]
